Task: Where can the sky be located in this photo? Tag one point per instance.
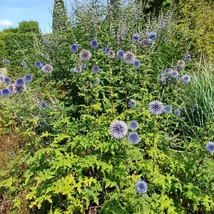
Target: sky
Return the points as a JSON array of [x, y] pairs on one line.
[[14, 11]]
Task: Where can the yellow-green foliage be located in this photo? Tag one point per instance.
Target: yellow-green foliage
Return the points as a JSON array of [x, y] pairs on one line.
[[2, 51], [196, 20]]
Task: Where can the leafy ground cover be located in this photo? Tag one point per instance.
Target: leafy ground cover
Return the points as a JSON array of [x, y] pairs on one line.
[[112, 117]]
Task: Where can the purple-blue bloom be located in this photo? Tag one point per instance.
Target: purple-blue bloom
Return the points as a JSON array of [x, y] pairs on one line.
[[135, 37], [133, 125], [141, 186], [94, 44], [24, 64], [20, 82], [5, 92], [152, 35], [178, 112], [38, 64], [43, 104], [28, 78], [136, 64], [133, 138], [186, 78], [95, 68], [7, 80], [156, 107], [118, 129], [210, 147], [132, 103], [74, 48], [167, 109], [6, 60], [120, 54]]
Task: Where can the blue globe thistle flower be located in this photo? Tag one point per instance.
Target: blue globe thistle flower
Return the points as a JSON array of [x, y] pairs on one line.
[[95, 68], [120, 54], [24, 64], [118, 129], [186, 78], [74, 48], [104, 50], [152, 35], [133, 125], [156, 107], [20, 82], [83, 66], [5, 92], [6, 60], [129, 58], [107, 50], [78, 69], [167, 109], [85, 55], [1, 78], [141, 187], [38, 64], [94, 44], [133, 138], [111, 54], [181, 64], [43, 104], [178, 112], [43, 64], [12, 154], [28, 78], [135, 37], [7, 80], [132, 103], [47, 68], [187, 57], [173, 73], [150, 42], [210, 147], [136, 64]]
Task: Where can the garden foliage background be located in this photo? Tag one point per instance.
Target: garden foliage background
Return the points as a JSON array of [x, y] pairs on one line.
[[58, 152]]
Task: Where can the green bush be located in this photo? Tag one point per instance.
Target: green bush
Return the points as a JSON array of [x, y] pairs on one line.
[[2, 52], [29, 27]]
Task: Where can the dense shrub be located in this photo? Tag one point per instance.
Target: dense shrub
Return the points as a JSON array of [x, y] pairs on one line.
[[28, 27]]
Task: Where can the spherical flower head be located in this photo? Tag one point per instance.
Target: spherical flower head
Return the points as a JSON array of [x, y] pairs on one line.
[[173, 73], [28, 78], [5, 92], [186, 78], [43, 64], [38, 64], [120, 54], [78, 69], [178, 112], [83, 66], [94, 44], [20, 82], [133, 138], [187, 57], [156, 107], [210, 147], [6, 60], [181, 64], [12, 154], [24, 64], [7, 80], [2, 78], [85, 55], [135, 37], [132, 103], [104, 50], [43, 104], [111, 54], [133, 125], [167, 109], [0, 94], [95, 68], [141, 187], [74, 48], [107, 50], [118, 129], [47, 68], [137, 64], [152, 35], [129, 58]]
